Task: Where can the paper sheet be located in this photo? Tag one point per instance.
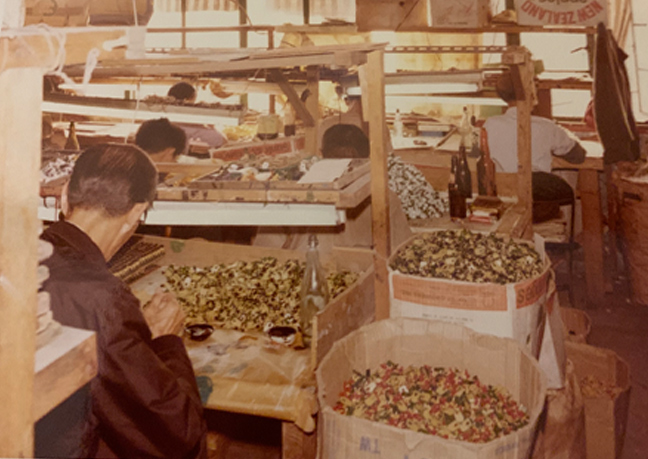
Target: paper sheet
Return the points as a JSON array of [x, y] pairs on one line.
[[325, 171]]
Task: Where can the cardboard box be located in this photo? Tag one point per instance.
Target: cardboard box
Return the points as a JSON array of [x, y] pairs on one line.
[[509, 311], [494, 360], [460, 13], [606, 418], [57, 13], [552, 357], [577, 324]]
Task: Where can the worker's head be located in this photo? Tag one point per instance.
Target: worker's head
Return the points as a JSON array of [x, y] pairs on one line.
[[161, 139], [183, 91], [111, 186], [345, 141], [505, 88]]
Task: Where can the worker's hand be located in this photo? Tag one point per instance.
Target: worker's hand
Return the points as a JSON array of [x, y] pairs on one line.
[[163, 315]]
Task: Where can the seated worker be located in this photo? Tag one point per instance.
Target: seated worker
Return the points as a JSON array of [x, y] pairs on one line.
[[547, 139], [340, 141], [144, 401], [162, 140], [185, 92]]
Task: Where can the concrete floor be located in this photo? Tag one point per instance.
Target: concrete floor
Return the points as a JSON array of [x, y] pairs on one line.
[[621, 325]]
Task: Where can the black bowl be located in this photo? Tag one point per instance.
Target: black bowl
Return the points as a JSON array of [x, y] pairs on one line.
[[199, 332]]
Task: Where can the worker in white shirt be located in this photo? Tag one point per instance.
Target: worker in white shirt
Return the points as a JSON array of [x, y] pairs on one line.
[[547, 139]]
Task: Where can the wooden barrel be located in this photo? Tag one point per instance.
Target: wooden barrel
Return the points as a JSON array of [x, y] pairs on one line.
[[120, 12]]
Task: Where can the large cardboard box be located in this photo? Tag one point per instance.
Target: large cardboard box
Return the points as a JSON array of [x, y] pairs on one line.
[[496, 361], [510, 311], [460, 13], [606, 418], [57, 13]]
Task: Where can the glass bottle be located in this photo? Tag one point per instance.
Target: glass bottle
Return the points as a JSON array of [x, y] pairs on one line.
[[463, 177], [72, 143], [485, 168], [456, 199], [398, 125], [314, 290]]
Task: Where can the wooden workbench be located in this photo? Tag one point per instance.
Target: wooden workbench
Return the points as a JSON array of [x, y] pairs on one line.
[[245, 373]]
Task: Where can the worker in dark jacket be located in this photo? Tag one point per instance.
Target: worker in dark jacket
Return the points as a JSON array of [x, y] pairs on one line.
[[144, 401]]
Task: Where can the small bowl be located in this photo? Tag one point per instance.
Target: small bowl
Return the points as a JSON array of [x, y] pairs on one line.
[[282, 335], [199, 332]]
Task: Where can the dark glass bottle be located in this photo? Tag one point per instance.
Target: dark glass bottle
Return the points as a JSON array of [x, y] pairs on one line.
[[463, 177], [485, 168], [456, 199], [72, 143], [314, 290]]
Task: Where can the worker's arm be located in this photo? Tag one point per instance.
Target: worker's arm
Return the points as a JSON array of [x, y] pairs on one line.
[[576, 155]]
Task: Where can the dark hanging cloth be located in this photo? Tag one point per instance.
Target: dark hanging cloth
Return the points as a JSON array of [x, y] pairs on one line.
[[615, 121]]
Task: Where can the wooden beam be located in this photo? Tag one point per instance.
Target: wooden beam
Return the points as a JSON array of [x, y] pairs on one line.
[[40, 49], [373, 104], [311, 133], [294, 99], [21, 92], [590, 194]]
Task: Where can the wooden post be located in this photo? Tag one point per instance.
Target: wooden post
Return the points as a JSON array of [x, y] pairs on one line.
[[312, 104], [20, 126], [522, 75], [590, 194], [373, 104]]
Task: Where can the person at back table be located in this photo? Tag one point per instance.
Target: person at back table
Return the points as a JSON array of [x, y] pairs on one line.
[[162, 140], [144, 401], [184, 92], [547, 139]]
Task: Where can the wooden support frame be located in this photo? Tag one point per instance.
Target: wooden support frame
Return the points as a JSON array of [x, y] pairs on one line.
[[294, 98], [373, 105], [20, 163], [312, 105]]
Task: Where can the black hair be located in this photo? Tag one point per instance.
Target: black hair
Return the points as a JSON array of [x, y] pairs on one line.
[[504, 87], [154, 136], [345, 141], [112, 177], [182, 91]]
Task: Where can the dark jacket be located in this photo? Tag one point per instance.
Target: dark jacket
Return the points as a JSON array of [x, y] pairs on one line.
[[144, 401], [615, 121]]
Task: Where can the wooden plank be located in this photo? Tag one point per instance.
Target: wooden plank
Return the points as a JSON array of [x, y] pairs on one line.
[[296, 444], [38, 48], [21, 93], [311, 136], [294, 99], [590, 195], [354, 194], [63, 365], [373, 95]]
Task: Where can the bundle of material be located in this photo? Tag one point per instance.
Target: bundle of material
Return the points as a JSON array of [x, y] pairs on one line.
[[418, 199]]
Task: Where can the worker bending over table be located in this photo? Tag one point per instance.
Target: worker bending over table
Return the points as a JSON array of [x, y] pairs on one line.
[[144, 401], [184, 92], [162, 140], [547, 139], [340, 141]]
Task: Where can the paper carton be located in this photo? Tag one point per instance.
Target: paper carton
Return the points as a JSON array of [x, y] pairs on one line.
[[510, 311], [496, 361], [606, 418]]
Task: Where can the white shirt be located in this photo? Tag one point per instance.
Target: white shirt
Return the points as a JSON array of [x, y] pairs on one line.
[[547, 139]]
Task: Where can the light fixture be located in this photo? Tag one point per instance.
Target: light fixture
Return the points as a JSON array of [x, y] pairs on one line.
[[426, 83]]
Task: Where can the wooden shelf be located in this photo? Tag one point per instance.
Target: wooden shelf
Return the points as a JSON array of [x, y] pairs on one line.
[[62, 366], [142, 110], [500, 28]]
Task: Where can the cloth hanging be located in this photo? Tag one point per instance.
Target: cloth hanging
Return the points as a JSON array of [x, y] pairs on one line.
[[615, 120]]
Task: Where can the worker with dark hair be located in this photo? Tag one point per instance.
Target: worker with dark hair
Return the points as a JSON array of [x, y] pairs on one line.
[[196, 133], [144, 401], [345, 141], [183, 92], [547, 139], [162, 140], [338, 142]]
